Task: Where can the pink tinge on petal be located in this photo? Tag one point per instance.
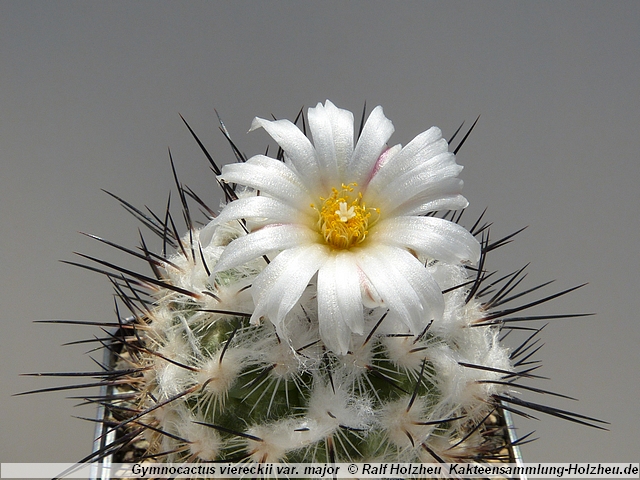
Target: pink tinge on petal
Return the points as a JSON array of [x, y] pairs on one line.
[[370, 296], [384, 156]]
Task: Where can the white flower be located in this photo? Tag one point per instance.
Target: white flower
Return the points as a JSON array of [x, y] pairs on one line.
[[352, 214]]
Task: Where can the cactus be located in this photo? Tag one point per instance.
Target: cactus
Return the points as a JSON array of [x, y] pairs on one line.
[[327, 313]]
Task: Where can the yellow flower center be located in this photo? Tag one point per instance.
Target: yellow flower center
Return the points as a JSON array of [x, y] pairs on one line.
[[343, 218]]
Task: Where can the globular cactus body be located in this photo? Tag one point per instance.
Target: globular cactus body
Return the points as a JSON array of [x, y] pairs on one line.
[[328, 313]]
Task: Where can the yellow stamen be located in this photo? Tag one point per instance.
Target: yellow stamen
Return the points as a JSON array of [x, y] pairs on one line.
[[343, 218]]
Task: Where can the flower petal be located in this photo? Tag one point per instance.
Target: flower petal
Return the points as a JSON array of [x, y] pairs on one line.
[[332, 132], [397, 190], [443, 196], [261, 207], [370, 296], [271, 177], [404, 283], [419, 150], [372, 142], [268, 239], [281, 284], [434, 237], [297, 147], [339, 302]]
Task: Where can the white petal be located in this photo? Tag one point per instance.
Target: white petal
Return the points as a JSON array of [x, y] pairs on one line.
[[386, 158], [339, 302], [296, 146], [332, 132], [430, 236], [271, 177], [371, 144], [280, 285], [370, 296], [273, 210], [389, 195], [421, 149], [421, 281], [268, 239], [205, 235], [420, 199], [404, 284]]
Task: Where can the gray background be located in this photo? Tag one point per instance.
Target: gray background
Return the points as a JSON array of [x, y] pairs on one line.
[[89, 98]]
